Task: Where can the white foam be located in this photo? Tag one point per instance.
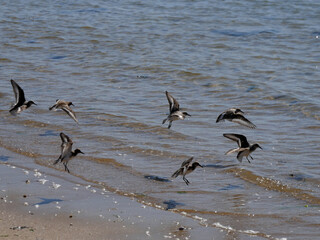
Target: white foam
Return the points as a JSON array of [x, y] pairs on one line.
[[249, 231], [55, 185], [43, 181], [37, 174], [219, 225]]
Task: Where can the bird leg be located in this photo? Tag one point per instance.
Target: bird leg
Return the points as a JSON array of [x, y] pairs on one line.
[[248, 159], [185, 180], [169, 124], [65, 167]]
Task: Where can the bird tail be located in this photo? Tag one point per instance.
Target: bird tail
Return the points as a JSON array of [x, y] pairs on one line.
[[176, 173], [13, 111], [56, 161]]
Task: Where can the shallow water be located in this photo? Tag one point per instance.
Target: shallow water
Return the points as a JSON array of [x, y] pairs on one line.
[[115, 61]]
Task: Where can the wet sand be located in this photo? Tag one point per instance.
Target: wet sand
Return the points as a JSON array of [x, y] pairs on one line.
[[38, 205]]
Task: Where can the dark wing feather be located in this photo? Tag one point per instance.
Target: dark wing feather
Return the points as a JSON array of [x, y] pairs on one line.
[[173, 103], [240, 119], [19, 96], [65, 138], [183, 168], [220, 117], [18, 92], [69, 111], [186, 162], [240, 139], [177, 173]]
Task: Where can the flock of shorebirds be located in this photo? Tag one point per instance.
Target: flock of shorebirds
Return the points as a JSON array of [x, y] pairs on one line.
[[233, 114]]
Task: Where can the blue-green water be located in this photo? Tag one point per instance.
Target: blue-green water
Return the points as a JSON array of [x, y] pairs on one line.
[[115, 60]]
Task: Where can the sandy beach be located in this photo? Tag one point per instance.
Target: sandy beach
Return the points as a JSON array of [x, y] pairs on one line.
[[37, 205]]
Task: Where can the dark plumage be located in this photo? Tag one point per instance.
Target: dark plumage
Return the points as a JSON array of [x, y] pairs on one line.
[[186, 168], [175, 113], [21, 103], [66, 151], [244, 148], [235, 115]]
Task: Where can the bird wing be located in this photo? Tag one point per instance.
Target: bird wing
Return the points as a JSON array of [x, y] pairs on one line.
[[182, 170], [240, 139], [66, 148], [53, 107], [65, 138], [56, 105], [70, 112], [177, 173], [240, 119], [173, 103], [186, 163], [19, 96], [241, 154], [220, 117], [18, 92]]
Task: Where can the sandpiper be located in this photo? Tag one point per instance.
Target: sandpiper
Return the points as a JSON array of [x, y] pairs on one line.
[[186, 168], [21, 103], [175, 113], [65, 106], [235, 115], [244, 148], [66, 151]]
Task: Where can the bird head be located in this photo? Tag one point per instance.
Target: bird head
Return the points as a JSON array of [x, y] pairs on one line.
[[77, 151], [70, 103], [237, 111], [256, 145], [196, 164], [30, 103]]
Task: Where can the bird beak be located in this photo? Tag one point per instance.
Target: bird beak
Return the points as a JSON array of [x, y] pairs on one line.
[[200, 166], [188, 114], [82, 152], [261, 148]]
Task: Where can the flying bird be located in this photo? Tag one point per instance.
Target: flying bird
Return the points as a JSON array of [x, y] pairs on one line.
[[65, 106], [175, 113], [66, 151], [235, 115], [21, 103], [186, 168], [244, 148]]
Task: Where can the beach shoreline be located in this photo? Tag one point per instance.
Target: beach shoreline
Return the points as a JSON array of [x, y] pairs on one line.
[[38, 205]]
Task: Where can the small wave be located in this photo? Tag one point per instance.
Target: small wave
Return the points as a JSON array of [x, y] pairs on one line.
[[274, 185], [234, 33]]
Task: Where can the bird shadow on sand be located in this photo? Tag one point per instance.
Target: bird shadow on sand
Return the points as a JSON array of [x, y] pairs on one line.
[[47, 201], [4, 158], [171, 204]]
